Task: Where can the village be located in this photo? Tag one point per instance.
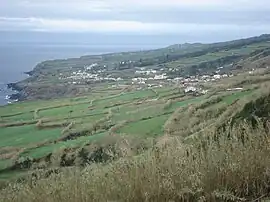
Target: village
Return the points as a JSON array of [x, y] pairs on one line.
[[145, 78]]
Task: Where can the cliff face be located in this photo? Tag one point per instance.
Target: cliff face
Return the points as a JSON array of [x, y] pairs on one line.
[[30, 73], [14, 86], [20, 95]]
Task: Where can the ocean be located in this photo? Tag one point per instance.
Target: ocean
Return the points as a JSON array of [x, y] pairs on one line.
[[15, 59]]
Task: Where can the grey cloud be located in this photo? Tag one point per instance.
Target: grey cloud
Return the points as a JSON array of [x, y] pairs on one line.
[[168, 16], [232, 12], [200, 17]]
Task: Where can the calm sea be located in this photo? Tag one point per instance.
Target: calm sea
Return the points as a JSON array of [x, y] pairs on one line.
[[17, 58]]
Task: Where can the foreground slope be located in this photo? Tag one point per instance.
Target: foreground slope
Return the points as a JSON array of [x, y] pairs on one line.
[[74, 131], [215, 155]]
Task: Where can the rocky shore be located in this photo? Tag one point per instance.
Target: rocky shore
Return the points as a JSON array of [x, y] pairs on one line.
[[19, 94]]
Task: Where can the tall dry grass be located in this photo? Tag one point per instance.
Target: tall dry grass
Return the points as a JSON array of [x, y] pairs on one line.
[[168, 104], [214, 168]]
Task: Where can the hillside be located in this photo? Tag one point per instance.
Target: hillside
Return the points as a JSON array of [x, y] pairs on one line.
[[84, 75], [106, 143], [147, 135]]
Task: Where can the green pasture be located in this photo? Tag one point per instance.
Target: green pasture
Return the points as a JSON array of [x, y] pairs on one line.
[[237, 95], [145, 115], [21, 136], [216, 55], [4, 163], [152, 127], [45, 150]]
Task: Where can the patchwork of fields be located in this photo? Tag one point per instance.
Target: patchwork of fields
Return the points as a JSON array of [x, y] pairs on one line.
[[37, 129]]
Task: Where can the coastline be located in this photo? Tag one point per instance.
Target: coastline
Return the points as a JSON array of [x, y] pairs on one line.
[[15, 72], [18, 94], [8, 95]]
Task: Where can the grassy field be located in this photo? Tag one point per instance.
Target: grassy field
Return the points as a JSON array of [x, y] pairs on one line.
[[75, 132], [45, 150], [38, 129], [111, 140], [5, 163], [217, 55], [205, 162], [152, 126], [23, 135]]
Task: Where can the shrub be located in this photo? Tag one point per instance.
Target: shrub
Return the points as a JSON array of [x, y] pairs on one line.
[[168, 104], [36, 114]]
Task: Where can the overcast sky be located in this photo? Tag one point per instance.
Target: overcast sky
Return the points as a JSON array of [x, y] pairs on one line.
[[235, 17]]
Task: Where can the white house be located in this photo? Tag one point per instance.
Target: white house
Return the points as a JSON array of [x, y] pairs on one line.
[[160, 77], [217, 76], [178, 79], [205, 76], [91, 66], [190, 89], [140, 72], [204, 92], [234, 89]]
